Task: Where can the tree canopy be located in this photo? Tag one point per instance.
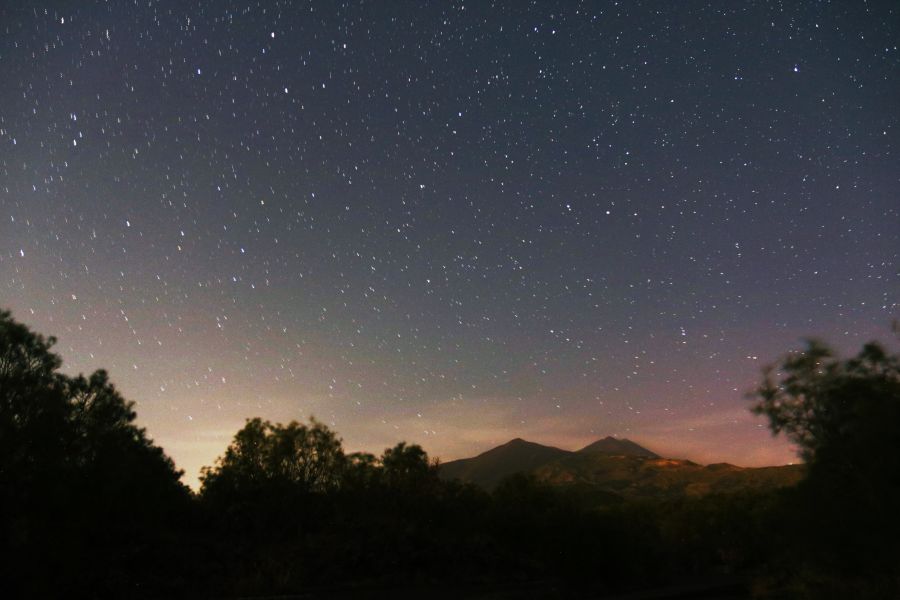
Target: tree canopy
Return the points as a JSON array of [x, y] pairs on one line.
[[841, 523], [53, 425], [77, 476], [836, 411], [309, 458]]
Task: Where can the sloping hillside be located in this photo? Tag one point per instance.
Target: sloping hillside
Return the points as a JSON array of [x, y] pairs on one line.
[[617, 447], [617, 468], [491, 467], [640, 477]]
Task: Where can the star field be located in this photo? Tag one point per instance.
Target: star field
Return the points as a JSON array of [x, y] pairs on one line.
[[450, 223]]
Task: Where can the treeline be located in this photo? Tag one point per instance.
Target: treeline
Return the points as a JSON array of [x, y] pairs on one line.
[[90, 507]]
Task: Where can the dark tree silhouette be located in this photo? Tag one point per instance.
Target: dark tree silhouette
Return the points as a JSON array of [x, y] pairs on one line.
[[825, 404], [842, 521], [308, 458], [361, 472], [407, 469], [83, 490]]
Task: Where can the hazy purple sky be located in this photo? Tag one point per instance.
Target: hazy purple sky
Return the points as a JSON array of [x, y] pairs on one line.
[[446, 223]]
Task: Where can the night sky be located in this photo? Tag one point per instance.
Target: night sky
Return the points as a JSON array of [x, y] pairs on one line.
[[450, 223]]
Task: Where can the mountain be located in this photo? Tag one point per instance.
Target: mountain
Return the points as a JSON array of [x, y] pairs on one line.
[[640, 477], [615, 469], [490, 468], [520, 456], [617, 447]]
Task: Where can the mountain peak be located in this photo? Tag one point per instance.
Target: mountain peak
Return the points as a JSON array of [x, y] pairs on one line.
[[614, 468], [618, 447], [522, 443], [490, 467]]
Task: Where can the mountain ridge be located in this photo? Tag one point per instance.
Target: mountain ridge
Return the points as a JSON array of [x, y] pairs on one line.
[[489, 468], [614, 468], [616, 446]]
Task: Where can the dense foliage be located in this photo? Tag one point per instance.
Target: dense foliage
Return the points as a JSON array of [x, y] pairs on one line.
[[841, 527], [90, 507], [86, 500]]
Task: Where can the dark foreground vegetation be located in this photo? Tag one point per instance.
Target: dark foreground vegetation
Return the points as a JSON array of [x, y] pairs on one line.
[[90, 507]]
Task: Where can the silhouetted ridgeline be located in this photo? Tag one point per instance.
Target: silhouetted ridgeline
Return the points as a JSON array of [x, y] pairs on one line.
[[616, 469], [89, 506]]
